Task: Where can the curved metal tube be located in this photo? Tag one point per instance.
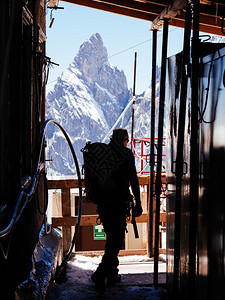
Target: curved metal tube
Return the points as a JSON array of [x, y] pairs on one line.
[[79, 180], [40, 167]]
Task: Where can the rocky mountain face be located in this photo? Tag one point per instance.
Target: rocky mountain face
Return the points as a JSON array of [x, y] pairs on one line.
[[87, 100]]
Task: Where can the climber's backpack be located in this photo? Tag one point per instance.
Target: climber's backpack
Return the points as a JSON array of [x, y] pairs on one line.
[[101, 170]]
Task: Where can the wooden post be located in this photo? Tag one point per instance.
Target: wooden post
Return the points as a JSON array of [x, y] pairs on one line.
[[66, 212]]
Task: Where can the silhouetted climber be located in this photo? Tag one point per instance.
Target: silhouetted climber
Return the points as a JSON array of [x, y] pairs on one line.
[[114, 207]]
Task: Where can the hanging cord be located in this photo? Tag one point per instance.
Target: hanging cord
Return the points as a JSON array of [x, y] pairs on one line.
[[49, 64], [29, 195], [202, 113], [18, 211], [26, 186]]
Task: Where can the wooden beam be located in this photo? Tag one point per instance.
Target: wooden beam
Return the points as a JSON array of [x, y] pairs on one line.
[[137, 6], [121, 253], [171, 11], [154, 11], [127, 252], [88, 220], [210, 29], [73, 183], [147, 15], [211, 10], [162, 217], [208, 22], [162, 251], [64, 184], [143, 180]]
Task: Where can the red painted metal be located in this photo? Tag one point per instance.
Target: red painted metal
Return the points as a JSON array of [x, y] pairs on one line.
[[145, 142]]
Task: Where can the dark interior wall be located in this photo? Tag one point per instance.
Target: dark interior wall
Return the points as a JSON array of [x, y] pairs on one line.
[[211, 207], [185, 201], [22, 101], [208, 281], [177, 202], [172, 114]]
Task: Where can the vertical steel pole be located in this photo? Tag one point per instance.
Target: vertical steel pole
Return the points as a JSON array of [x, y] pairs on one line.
[[152, 143], [142, 154], [159, 148], [134, 85], [194, 155], [180, 144]]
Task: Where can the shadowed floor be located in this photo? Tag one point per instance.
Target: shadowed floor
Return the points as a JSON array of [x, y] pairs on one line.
[[134, 285]]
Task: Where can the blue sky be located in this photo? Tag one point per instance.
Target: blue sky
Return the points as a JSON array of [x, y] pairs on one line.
[[121, 35]]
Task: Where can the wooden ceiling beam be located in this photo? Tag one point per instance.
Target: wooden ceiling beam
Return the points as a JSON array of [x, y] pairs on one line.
[[207, 23], [171, 11], [202, 27], [155, 11], [204, 19], [161, 2], [147, 16], [212, 10], [146, 7]]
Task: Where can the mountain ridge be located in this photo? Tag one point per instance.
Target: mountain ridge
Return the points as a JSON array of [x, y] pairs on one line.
[[86, 100]]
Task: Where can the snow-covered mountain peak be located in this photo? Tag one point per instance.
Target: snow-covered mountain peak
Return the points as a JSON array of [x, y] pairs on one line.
[[91, 56], [87, 100]]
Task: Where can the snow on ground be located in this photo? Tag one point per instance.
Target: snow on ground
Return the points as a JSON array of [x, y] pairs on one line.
[[133, 286]]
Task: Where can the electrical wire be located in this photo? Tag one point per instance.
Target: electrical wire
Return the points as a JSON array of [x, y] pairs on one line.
[[202, 113]]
